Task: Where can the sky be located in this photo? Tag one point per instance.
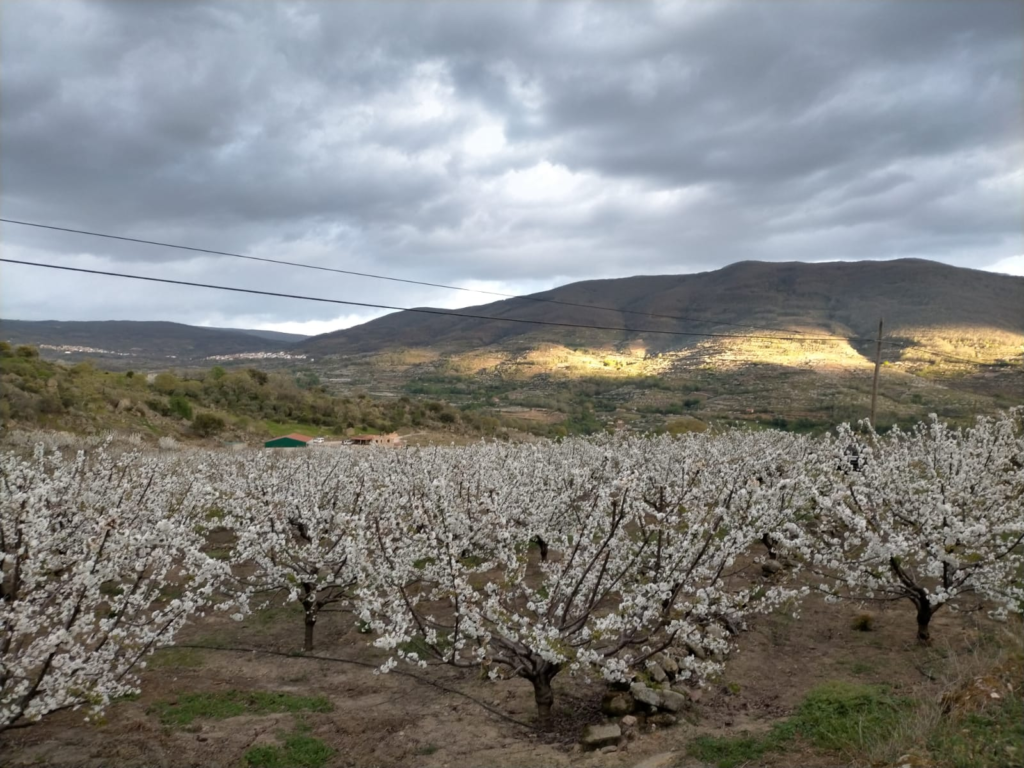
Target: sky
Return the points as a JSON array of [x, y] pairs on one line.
[[508, 147]]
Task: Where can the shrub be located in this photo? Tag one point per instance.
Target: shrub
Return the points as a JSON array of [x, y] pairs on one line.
[[207, 424], [180, 407]]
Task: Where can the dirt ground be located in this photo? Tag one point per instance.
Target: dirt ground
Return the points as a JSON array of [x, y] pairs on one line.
[[393, 720]]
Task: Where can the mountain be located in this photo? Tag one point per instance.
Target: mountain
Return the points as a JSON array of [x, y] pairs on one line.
[[961, 310], [130, 341], [287, 338]]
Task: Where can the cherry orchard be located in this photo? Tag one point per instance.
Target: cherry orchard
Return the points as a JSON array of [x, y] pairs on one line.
[[930, 516], [93, 549], [640, 535], [295, 525], [587, 556]]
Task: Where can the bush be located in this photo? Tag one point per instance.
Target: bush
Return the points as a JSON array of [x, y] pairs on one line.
[[207, 424], [181, 407]]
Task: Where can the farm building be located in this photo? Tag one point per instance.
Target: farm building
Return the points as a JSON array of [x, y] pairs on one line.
[[390, 439], [293, 440]]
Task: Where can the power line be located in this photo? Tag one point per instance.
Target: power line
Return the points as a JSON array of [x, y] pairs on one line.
[[421, 310], [394, 279], [911, 346]]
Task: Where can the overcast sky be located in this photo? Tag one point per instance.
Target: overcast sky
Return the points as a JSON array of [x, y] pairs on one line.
[[506, 146]]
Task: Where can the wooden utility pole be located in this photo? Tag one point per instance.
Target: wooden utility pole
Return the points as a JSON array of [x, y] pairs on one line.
[[878, 364]]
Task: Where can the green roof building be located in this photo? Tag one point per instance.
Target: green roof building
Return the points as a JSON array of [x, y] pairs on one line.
[[293, 440]]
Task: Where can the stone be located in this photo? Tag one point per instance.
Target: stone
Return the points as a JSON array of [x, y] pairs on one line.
[[673, 701], [696, 650], [669, 665], [597, 736], [771, 567], [644, 695], [658, 674], [629, 721], [660, 760], [662, 719], [617, 704], [609, 749]]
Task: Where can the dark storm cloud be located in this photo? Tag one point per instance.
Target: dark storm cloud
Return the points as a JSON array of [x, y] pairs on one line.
[[517, 145]]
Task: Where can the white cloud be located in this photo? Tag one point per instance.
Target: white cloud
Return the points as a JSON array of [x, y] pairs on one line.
[[1011, 265]]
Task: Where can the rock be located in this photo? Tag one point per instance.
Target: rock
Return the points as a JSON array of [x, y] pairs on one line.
[[644, 695], [771, 567], [696, 650], [733, 623], [661, 760], [597, 736], [673, 701], [617, 704], [658, 674], [609, 749], [669, 665], [662, 719], [629, 722]]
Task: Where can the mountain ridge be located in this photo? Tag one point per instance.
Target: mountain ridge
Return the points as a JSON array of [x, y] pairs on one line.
[[137, 338], [917, 299]]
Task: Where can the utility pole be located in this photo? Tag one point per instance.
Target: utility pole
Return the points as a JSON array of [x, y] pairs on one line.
[[878, 364]]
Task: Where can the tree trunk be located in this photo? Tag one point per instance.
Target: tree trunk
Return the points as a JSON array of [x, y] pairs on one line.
[[544, 698], [307, 644], [543, 548], [310, 608], [924, 616]]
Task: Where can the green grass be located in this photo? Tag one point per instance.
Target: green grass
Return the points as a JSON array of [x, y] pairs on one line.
[[835, 717], [987, 739], [178, 658], [298, 751], [281, 428], [218, 706], [862, 668]]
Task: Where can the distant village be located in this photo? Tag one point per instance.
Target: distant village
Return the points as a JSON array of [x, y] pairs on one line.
[[258, 356], [68, 349]]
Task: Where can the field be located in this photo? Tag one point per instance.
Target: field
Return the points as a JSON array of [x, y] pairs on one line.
[[390, 720], [748, 597]]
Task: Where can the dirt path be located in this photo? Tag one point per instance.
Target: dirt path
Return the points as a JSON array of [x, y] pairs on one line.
[[393, 720]]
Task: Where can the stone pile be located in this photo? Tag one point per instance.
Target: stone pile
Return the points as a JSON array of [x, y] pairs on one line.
[[658, 702]]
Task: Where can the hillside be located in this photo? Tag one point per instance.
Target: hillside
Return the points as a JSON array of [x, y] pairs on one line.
[[136, 344], [243, 404], [966, 311]]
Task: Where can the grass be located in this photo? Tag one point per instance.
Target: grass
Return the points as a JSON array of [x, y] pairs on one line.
[[282, 428], [978, 721], [989, 738], [218, 706], [862, 668], [179, 658], [298, 751], [835, 717]]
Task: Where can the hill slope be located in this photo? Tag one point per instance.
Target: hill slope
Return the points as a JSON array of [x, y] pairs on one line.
[[142, 341], [919, 300]]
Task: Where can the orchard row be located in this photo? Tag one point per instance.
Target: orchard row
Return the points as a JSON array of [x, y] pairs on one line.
[[590, 556]]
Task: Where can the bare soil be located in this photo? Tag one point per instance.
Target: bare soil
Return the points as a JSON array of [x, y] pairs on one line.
[[396, 720]]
